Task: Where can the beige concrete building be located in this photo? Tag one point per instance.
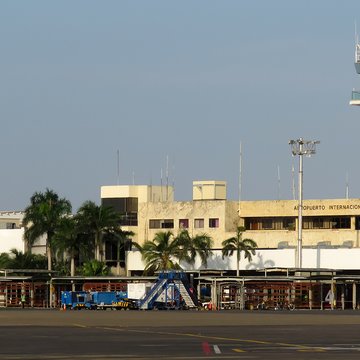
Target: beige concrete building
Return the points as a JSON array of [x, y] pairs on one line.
[[328, 225]]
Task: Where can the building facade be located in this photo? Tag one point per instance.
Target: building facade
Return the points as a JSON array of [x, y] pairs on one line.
[[330, 234], [11, 231]]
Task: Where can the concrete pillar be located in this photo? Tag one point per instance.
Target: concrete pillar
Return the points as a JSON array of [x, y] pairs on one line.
[[310, 298], [354, 296], [32, 297], [51, 294], [343, 296], [333, 301], [321, 297]]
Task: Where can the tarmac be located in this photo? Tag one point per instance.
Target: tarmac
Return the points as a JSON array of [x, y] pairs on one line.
[[33, 334], [166, 318]]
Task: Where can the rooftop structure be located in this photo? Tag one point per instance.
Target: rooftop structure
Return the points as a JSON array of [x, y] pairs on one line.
[[355, 95]]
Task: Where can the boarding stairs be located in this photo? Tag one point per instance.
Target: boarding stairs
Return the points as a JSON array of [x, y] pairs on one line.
[[186, 294], [153, 294], [170, 282]]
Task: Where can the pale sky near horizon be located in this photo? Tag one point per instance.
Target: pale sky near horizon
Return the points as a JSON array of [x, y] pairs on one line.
[[187, 80]]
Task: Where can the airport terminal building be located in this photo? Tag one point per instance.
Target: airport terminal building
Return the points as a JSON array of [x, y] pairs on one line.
[[329, 276], [330, 227]]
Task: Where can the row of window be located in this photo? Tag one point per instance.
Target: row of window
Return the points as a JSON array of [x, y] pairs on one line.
[[183, 223], [287, 223], [8, 225]]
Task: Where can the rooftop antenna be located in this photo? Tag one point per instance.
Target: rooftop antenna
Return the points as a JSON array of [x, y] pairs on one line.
[[173, 182], [240, 174], [151, 192], [278, 174], [161, 183], [347, 186], [167, 177], [118, 167]]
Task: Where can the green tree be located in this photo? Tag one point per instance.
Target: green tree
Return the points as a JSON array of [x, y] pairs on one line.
[[95, 268], [70, 241], [200, 245], [238, 245], [21, 260], [96, 221], [121, 239], [42, 217], [162, 253], [4, 260]]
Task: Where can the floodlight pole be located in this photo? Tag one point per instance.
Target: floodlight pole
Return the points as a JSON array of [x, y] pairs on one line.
[[301, 147]]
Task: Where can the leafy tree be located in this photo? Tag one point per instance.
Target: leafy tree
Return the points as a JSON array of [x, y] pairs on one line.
[[62, 267], [42, 217], [19, 260], [95, 268], [238, 245], [199, 245], [69, 240], [162, 252], [121, 239], [4, 260], [96, 221]]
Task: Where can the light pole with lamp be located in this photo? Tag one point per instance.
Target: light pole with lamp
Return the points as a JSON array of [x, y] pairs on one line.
[[301, 147]]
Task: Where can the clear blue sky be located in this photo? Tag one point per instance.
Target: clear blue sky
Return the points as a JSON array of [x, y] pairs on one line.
[[80, 80]]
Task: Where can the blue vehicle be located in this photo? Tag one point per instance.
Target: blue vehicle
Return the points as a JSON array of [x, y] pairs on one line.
[[104, 299], [75, 300], [95, 300]]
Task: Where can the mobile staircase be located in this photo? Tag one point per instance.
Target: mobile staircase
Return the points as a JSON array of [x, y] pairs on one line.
[[172, 290]]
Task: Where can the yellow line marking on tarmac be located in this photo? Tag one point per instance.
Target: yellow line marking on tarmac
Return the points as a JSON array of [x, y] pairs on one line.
[[311, 350], [302, 347], [80, 325], [238, 350], [250, 341]]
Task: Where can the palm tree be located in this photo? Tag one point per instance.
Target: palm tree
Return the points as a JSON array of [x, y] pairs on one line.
[[4, 260], [162, 252], [69, 239], [42, 217], [96, 220], [121, 238], [239, 245], [20, 260], [95, 268], [199, 245]]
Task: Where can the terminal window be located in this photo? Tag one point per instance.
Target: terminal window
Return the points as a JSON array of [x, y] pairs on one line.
[[326, 222], [184, 223], [199, 223], [161, 224], [214, 223], [277, 223]]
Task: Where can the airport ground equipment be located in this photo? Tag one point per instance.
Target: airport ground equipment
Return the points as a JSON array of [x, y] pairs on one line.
[[171, 291], [75, 300], [96, 300]]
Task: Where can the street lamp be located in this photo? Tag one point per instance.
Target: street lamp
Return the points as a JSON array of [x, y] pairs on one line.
[[301, 147]]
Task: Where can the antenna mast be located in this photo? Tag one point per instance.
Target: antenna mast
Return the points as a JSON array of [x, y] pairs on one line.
[[240, 175], [118, 167], [278, 173], [161, 183], [167, 177]]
